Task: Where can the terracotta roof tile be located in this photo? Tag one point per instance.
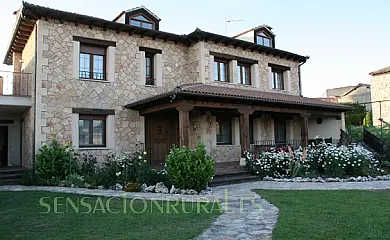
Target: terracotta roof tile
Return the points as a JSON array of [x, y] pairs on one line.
[[257, 95], [234, 92]]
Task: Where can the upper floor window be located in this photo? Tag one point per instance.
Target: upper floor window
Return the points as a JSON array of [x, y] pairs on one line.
[[277, 79], [221, 70], [141, 21], [149, 69], [263, 39], [92, 62], [243, 74]]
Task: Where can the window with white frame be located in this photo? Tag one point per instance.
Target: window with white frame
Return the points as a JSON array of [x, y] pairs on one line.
[[151, 65], [277, 79], [280, 77], [244, 73]]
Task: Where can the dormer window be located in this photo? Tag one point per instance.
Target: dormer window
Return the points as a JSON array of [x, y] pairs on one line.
[[141, 21], [263, 39]]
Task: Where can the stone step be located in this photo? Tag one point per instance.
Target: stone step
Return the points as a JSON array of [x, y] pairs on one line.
[[218, 181], [11, 176], [10, 182], [12, 170], [230, 172]]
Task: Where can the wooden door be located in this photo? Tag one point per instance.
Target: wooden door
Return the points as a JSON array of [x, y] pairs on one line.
[[162, 134], [4, 146]]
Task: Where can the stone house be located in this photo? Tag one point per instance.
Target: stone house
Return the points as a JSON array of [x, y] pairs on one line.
[[380, 96], [360, 93], [124, 84]]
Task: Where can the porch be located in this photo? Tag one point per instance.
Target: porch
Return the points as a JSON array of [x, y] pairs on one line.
[[231, 120], [16, 119]]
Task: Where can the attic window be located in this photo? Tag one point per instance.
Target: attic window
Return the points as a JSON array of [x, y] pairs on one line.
[[263, 39], [141, 21]]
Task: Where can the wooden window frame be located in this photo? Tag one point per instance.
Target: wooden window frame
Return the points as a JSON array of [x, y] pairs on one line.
[[131, 18], [92, 51], [241, 78], [225, 119], [262, 39], [151, 81], [91, 118], [226, 62], [274, 79]]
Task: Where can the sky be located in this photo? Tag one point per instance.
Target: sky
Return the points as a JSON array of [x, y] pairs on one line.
[[344, 39]]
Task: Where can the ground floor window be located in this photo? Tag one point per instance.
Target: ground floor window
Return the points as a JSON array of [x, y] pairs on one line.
[[92, 131], [224, 130], [280, 131]]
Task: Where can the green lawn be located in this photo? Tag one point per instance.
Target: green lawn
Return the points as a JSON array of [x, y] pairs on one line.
[[22, 216], [331, 214]]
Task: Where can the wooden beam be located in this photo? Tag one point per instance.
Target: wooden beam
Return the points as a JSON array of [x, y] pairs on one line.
[[161, 107], [244, 129], [184, 124], [305, 129], [223, 105]]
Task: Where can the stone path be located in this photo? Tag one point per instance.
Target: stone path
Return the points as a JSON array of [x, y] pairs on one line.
[[245, 214]]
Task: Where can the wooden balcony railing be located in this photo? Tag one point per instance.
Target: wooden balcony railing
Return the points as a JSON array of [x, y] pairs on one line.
[[15, 83]]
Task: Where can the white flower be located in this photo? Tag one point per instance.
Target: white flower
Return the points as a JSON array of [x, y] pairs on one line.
[[118, 173]]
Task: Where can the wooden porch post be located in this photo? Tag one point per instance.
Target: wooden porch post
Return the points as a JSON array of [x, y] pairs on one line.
[[305, 129], [184, 124], [244, 128]]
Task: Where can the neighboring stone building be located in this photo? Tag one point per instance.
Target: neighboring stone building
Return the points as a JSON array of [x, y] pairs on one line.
[[380, 96], [360, 93], [124, 84]]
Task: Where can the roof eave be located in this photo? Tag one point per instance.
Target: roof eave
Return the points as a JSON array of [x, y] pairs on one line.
[[7, 58]]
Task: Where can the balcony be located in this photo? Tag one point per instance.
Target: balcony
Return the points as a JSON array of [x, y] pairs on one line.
[[15, 92]]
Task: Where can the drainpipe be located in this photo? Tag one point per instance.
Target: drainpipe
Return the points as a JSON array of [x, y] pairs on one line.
[[35, 94], [299, 76]]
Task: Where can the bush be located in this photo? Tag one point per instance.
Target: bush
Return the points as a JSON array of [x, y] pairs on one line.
[[74, 180], [55, 162], [28, 178], [190, 169], [89, 164], [354, 119], [318, 160], [368, 119]]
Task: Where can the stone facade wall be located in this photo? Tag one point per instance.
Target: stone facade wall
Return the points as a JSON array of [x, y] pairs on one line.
[[225, 153], [360, 95], [58, 91], [380, 88], [61, 91], [263, 60]]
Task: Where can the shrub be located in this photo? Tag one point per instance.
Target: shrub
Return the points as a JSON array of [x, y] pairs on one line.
[[368, 119], [28, 178], [318, 160], [190, 169], [55, 161], [74, 180], [89, 164]]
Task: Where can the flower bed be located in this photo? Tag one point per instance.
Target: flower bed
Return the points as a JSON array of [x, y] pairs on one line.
[[321, 160], [189, 169]]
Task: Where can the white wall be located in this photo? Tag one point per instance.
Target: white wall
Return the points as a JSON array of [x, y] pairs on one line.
[[330, 127], [249, 36]]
